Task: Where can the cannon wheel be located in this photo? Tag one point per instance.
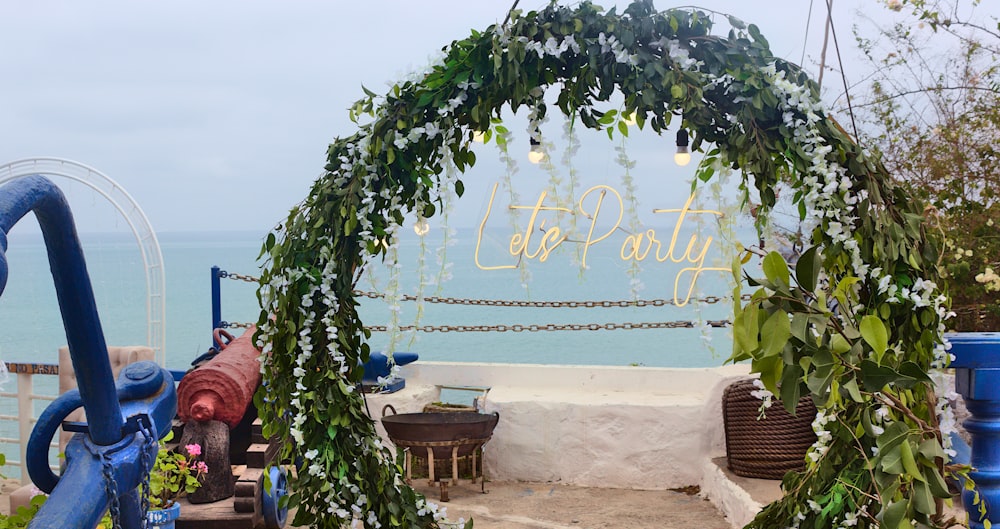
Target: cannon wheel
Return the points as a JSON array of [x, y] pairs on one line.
[[275, 515]]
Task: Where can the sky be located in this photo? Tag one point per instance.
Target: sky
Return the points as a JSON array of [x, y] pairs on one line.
[[216, 115]]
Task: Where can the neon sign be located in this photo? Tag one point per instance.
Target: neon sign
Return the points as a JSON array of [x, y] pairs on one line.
[[636, 246]]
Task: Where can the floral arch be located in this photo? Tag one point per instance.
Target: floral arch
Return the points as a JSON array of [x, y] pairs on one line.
[[857, 323]]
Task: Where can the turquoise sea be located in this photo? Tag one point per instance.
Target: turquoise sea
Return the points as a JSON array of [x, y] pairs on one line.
[[32, 329]]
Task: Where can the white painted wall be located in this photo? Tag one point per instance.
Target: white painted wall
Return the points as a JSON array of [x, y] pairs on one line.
[[617, 427]]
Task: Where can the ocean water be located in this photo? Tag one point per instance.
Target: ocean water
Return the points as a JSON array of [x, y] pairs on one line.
[[32, 328]]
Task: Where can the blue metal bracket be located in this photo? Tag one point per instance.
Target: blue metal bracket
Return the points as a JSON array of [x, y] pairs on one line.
[[977, 379], [143, 399]]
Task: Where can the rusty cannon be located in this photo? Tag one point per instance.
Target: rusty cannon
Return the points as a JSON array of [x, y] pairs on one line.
[[215, 410]]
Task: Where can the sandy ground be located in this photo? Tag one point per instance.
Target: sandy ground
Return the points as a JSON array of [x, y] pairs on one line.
[[554, 506]]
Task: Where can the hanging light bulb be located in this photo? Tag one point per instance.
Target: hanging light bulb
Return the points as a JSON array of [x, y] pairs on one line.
[[683, 155], [536, 155], [421, 227], [478, 136], [629, 118]]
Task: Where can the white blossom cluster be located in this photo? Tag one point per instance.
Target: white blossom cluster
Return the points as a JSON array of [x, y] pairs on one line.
[[535, 122], [823, 435], [551, 46], [680, 55], [572, 184], [506, 184], [947, 422], [446, 195], [631, 200], [610, 43], [762, 393], [826, 181]]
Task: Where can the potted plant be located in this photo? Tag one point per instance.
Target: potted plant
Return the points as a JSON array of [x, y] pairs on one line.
[[175, 473]]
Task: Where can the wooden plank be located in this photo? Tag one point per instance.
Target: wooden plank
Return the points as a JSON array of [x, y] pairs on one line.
[[257, 431], [216, 515], [247, 493], [260, 455]]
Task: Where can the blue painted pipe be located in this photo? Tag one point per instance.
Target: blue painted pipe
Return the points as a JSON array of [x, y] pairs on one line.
[[378, 364], [84, 335], [216, 305], [977, 379], [125, 419]]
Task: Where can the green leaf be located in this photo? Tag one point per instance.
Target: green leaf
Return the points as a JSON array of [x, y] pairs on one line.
[[893, 515], [774, 333], [770, 369], [911, 371], [931, 449], [822, 375], [936, 483], [807, 269], [791, 387], [893, 435], [875, 377], [923, 500], [775, 268], [676, 91], [874, 333], [852, 389], [910, 464], [839, 344]]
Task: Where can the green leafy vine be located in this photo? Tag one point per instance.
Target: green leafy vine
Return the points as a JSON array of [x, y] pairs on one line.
[[856, 323]]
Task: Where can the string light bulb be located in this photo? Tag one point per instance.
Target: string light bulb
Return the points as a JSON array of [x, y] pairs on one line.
[[421, 227], [683, 155], [536, 155], [479, 136], [628, 118]]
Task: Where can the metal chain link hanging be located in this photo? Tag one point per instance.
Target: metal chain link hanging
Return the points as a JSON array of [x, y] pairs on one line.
[[515, 303], [146, 466], [553, 327], [521, 304], [111, 486]]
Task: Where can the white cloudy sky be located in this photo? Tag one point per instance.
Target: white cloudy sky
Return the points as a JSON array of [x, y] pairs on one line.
[[216, 115]]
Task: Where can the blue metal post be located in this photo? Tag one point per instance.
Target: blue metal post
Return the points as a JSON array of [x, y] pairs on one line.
[[84, 334], [977, 379], [216, 302]]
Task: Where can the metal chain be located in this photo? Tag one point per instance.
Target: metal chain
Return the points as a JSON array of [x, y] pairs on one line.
[[111, 485], [511, 303], [147, 466], [238, 277], [553, 327], [235, 325], [548, 304]]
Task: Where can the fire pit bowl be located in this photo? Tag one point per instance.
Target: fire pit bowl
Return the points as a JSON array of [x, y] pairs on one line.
[[441, 431]]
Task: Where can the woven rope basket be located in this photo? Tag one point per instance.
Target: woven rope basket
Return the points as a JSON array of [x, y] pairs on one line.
[[769, 447]]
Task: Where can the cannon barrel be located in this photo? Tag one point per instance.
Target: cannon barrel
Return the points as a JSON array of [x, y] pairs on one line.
[[222, 388]]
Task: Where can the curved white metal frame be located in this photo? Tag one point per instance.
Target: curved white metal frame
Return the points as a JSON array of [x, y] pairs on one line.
[[145, 237]]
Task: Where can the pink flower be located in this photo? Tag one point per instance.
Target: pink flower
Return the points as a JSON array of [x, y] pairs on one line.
[[202, 467], [194, 450]]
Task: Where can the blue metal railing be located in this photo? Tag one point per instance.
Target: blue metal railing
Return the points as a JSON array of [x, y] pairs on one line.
[[117, 446]]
